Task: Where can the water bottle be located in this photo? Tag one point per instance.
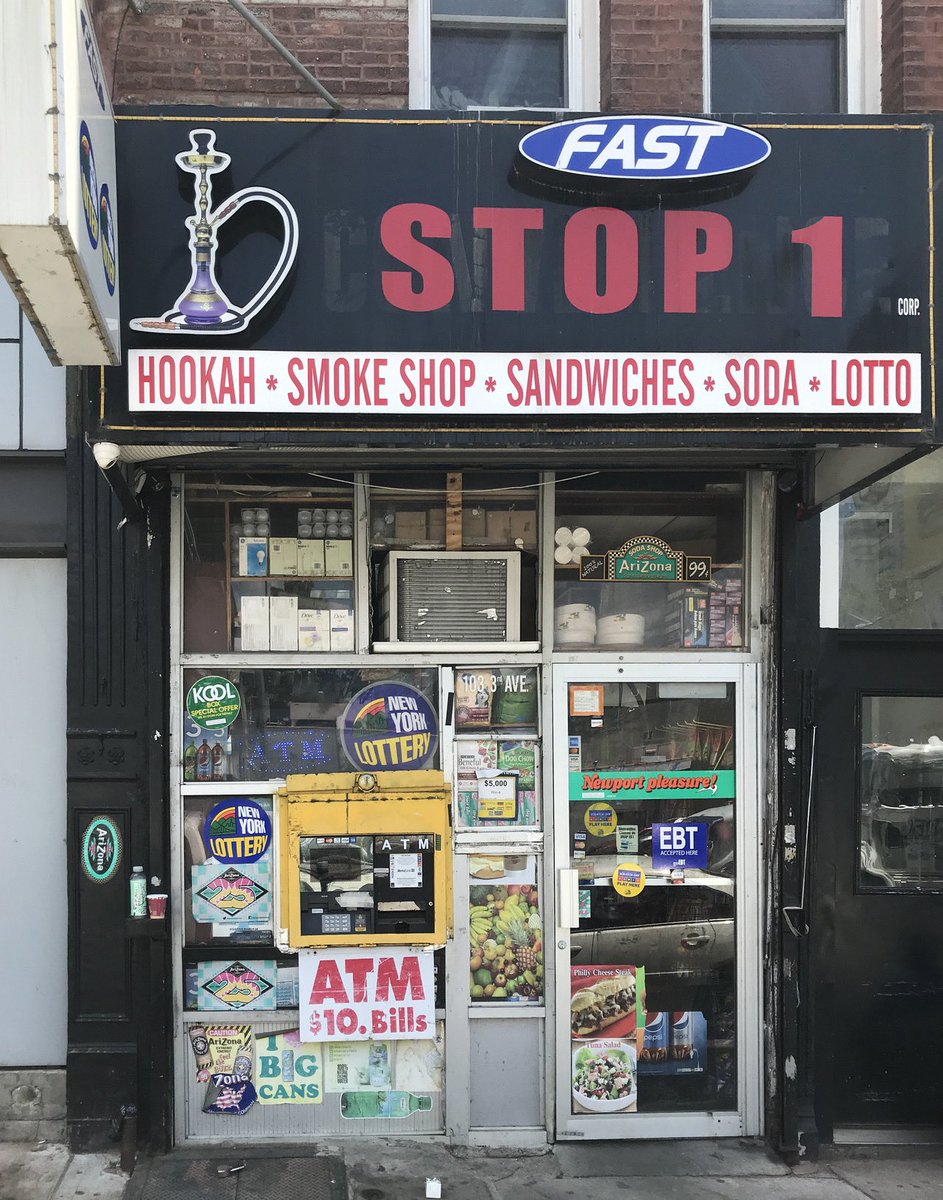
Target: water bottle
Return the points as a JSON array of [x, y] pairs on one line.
[[138, 892]]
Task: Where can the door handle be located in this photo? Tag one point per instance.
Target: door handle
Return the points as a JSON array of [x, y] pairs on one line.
[[692, 938], [568, 898]]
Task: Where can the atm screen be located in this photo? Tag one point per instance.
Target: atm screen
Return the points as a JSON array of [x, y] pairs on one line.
[[373, 884]]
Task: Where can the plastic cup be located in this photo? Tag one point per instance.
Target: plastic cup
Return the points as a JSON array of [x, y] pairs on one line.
[[157, 905]]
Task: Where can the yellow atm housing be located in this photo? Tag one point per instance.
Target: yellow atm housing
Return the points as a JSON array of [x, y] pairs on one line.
[[365, 859]]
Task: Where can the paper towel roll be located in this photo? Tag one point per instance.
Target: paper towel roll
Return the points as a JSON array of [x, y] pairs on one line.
[[563, 536], [581, 537], [626, 629]]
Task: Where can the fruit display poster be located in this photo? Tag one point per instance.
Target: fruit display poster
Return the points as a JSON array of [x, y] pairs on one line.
[[505, 929]]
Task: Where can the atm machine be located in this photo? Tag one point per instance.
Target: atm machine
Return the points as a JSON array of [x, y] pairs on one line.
[[365, 860]]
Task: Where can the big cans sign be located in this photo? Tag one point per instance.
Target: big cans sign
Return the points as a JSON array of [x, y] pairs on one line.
[[58, 204]]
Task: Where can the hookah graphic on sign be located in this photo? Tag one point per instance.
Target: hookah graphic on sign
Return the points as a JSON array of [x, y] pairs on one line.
[[203, 307]]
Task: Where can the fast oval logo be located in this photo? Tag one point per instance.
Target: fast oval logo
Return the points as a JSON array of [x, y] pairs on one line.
[[645, 148]]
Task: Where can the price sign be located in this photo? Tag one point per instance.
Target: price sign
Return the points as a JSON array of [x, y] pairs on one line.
[[697, 568], [497, 798]]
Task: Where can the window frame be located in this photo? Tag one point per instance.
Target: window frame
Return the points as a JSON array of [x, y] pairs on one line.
[[581, 62], [860, 68]]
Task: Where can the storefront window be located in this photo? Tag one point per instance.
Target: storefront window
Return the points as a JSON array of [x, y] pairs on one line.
[[497, 754], [254, 725], [882, 553], [454, 557], [901, 794], [658, 565], [268, 568]]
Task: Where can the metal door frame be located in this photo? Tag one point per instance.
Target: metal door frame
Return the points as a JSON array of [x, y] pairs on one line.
[[750, 890]]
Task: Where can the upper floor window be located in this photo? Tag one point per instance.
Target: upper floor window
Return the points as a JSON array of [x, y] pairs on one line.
[[770, 56], [467, 54]]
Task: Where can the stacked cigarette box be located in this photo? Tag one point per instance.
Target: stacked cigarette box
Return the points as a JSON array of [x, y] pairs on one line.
[[726, 607], [687, 616], [278, 623]]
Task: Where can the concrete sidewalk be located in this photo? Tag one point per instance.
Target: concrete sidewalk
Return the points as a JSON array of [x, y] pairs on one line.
[[394, 1169]]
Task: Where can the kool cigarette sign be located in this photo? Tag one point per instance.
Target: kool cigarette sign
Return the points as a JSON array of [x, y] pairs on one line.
[[355, 995]]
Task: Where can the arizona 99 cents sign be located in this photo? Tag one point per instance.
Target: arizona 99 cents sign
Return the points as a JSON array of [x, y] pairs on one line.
[[650, 269]]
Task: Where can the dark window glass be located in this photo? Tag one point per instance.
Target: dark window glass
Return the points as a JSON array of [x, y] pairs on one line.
[[777, 10], [492, 68], [776, 72], [901, 785]]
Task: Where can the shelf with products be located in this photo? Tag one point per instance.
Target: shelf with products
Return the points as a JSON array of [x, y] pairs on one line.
[[671, 614], [452, 512], [271, 572]]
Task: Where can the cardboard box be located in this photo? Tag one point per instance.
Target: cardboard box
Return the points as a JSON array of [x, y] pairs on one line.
[[253, 556], [283, 556], [205, 615], [314, 630], [283, 623], [524, 526], [498, 525], [474, 526], [342, 629], [687, 616], [254, 623], [338, 557], [410, 526], [311, 558], [435, 526]]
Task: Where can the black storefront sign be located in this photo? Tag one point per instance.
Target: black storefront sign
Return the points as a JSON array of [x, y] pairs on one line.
[[429, 288]]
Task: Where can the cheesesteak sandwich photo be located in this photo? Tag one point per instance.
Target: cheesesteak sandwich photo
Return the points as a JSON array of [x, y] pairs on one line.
[[597, 1007]]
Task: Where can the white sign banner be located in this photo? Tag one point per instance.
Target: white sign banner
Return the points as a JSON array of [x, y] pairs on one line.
[[354, 995], [617, 386]]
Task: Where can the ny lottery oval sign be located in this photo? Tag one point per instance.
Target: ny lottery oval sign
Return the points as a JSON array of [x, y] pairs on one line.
[[391, 726]]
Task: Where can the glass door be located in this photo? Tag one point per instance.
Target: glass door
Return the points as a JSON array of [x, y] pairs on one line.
[[657, 941]]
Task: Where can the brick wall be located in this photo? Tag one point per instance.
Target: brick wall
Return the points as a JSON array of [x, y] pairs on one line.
[[912, 56], [651, 56], [186, 52]]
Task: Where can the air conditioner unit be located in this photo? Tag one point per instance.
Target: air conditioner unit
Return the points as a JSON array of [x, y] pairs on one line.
[[451, 596]]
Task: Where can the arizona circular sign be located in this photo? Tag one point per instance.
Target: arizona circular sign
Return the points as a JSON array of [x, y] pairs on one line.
[[389, 726]]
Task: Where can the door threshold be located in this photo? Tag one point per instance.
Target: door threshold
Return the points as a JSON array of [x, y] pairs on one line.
[[887, 1135]]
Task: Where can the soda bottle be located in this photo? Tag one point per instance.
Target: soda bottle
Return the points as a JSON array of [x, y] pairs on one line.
[[204, 761], [138, 889], [383, 1104], [217, 761], [189, 763]]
